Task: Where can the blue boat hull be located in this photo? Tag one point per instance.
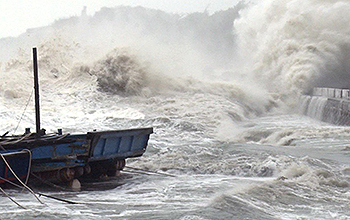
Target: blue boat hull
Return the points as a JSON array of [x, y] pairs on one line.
[[118, 144], [61, 158], [18, 161], [109, 149]]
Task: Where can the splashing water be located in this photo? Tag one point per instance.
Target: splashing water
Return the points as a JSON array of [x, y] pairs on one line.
[[292, 46]]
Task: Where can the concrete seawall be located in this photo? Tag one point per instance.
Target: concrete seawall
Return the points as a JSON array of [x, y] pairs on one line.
[[328, 105], [331, 93]]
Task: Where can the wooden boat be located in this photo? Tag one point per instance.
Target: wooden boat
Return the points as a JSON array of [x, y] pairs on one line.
[[62, 158]]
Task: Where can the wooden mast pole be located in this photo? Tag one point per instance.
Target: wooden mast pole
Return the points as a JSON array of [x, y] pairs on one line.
[[36, 88]]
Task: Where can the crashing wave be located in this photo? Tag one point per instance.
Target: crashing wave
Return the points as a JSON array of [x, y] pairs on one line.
[[119, 72], [292, 46]]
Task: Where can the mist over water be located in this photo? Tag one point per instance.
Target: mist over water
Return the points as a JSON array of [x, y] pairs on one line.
[[219, 90]]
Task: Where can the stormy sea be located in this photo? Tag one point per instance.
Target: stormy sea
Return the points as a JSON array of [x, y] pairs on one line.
[[222, 92]]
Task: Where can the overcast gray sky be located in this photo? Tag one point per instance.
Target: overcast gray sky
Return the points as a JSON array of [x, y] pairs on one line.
[[18, 15]]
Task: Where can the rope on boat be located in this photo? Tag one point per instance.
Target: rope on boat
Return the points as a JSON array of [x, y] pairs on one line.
[[133, 172], [59, 199], [49, 183], [2, 148], [62, 137], [29, 165], [40, 194], [18, 179], [6, 133], [148, 172], [14, 201], [30, 98], [15, 141]]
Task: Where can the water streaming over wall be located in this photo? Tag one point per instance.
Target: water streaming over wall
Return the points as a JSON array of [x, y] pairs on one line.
[[313, 106], [327, 104]]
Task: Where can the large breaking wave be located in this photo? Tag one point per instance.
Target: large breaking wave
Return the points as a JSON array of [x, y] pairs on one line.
[[131, 51], [292, 46]]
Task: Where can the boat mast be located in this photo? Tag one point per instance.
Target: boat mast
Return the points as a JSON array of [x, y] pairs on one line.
[[36, 88]]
